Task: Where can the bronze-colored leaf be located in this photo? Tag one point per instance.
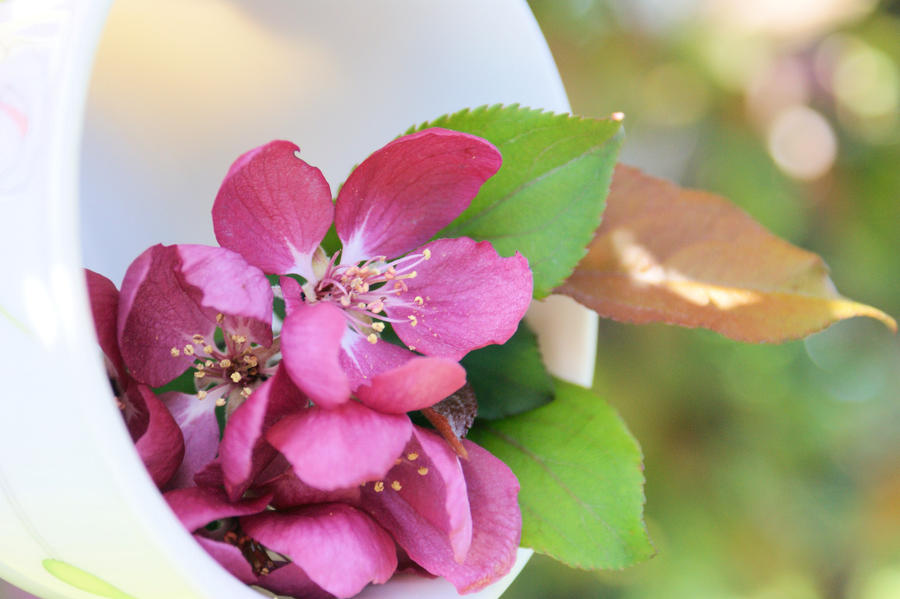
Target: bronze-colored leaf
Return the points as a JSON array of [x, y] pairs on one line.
[[687, 257], [454, 416]]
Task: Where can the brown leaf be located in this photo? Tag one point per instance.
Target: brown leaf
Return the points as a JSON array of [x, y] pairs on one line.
[[454, 416], [687, 257]]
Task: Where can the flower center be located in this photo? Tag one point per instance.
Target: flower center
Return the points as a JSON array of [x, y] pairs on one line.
[[230, 374], [365, 291]]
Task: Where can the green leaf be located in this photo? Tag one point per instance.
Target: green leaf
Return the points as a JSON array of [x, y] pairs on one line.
[[582, 479], [183, 383], [547, 198], [509, 379]]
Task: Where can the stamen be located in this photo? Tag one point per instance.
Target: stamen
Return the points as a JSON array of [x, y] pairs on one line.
[[235, 377], [198, 339], [411, 347], [175, 352], [221, 401], [208, 349], [419, 300], [345, 301], [220, 317], [412, 457], [209, 363], [378, 326], [413, 321], [189, 350], [201, 394], [396, 485], [379, 486], [246, 391], [372, 338], [224, 363], [423, 470], [426, 253], [238, 338], [199, 374]]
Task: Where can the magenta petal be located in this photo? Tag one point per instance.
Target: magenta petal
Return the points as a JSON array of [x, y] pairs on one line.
[[171, 293], [196, 506], [429, 514], [104, 300], [197, 420], [340, 548], [472, 298], [362, 360], [292, 293], [289, 579], [155, 315], [161, 446], [310, 342], [407, 191], [340, 447], [243, 452], [419, 383], [222, 282], [273, 209], [288, 491], [496, 526]]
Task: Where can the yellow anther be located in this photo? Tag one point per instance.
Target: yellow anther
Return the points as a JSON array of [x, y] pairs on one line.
[[413, 321], [251, 361], [423, 470], [189, 350], [235, 377], [208, 349], [361, 305], [201, 366], [246, 391], [224, 363], [209, 363], [419, 300], [411, 347], [175, 352], [372, 338], [201, 394], [345, 301], [238, 338], [412, 457], [396, 485], [426, 253], [378, 326], [376, 306], [411, 275], [220, 317], [221, 401], [199, 374], [198, 339], [379, 486]]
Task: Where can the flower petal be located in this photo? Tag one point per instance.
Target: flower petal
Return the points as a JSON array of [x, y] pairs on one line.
[[288, 491], [196, 507], [104, 300], [340, 548], [171, 293], [362, 360], [407, 191], [289, 579], [161, 446], [197, 421], [221, 281], [423, 501], [244, 452], [472, 297], [419, 383], [273, 209], [496, 525], [340, 447], [292, 293], [310, 342]]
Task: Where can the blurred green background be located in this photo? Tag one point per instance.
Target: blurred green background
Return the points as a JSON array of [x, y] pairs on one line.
[[773, 472]]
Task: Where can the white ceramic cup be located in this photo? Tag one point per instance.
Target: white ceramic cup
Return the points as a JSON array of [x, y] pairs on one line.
[[179, 88]]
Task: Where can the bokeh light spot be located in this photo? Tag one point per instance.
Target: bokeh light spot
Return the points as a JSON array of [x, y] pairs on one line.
[[802, 143]]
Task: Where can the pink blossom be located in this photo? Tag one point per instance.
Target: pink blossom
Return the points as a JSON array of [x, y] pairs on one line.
[[443, 298]]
